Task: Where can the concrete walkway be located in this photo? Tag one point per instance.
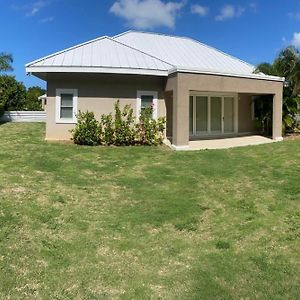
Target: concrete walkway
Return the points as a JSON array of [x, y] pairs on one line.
[[229, 142]]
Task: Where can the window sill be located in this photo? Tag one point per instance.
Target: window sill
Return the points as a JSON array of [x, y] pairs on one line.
[[62, 121]]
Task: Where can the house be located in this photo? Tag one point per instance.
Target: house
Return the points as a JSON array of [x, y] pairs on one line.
[[203, 92]]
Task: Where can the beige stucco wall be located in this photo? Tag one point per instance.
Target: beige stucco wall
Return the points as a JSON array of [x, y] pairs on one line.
[[98, 93], [245, 122], [169, 113], [183, 83]]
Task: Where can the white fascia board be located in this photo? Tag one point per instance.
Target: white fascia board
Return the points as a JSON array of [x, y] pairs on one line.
[[130, 71], [251, 76]]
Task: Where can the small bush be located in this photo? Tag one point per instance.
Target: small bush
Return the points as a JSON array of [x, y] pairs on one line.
[[120, 129], [87, 130], [150, 131], [124, 125], [108, 131]]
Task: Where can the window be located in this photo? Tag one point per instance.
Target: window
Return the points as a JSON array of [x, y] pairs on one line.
[[147, 99], [66, 105]]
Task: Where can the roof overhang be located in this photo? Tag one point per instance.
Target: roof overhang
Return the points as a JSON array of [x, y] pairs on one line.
[[130, 71], [212, 72], [41, 71]]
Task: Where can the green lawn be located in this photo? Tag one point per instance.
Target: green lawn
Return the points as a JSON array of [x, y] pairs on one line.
[[139, 222]]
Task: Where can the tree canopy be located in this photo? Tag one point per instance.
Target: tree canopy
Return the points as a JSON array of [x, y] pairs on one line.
[[12, 93], [286, 64], [6, 61], [32, 95]]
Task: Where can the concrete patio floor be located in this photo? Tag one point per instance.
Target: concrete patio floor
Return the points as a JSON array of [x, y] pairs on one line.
[[229, 142]]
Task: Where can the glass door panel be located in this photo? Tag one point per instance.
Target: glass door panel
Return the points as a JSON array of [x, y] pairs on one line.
[[201, 114], [228, 114], [191, 115], [216, 114]]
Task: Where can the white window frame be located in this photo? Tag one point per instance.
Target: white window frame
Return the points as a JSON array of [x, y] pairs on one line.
[[74, 92], [139, 102]]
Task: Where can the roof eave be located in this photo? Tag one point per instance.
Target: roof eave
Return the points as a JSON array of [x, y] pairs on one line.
[[101, 70], [211, 72]]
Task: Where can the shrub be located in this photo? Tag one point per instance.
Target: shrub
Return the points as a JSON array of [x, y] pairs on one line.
[[120, 129], [124, 125], [150, 131], [108, 131], [87, 130]]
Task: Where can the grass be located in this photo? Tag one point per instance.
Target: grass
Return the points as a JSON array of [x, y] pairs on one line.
[[139, 223]]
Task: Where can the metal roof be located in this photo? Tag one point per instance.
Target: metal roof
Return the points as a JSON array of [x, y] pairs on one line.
[[145, 53], [100, 55]]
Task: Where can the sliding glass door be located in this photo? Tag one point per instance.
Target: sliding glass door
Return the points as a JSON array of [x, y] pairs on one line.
[[228, 114], [212, 115], [201, 114], [215, 115]]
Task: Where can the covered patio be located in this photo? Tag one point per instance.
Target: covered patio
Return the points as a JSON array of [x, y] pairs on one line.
[[206, 111]]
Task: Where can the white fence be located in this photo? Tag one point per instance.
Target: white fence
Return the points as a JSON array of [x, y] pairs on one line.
[[24, 116]]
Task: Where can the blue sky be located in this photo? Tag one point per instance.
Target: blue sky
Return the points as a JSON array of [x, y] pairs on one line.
[[254, 31]]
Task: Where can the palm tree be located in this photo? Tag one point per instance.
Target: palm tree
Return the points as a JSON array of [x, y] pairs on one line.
[[6, 60], [287, 64], [267, 69]]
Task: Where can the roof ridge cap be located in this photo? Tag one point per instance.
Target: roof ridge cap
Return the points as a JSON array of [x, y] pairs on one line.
[[186, 38], [220, 51], [136, 49], [148, 32]]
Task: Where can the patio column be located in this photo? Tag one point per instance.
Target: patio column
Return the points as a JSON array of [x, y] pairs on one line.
[[277, 116], [180, 139]]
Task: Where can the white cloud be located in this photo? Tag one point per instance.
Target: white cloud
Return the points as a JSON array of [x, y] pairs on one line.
[[36, 7], [296, 40], [147, 14], [31, 9], [230, 12], [46, 20], [199, 10]]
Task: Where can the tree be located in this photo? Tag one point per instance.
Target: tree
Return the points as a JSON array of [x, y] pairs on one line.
[[32, 102], [6, 60], [287, 64], [266, 68], [12, 93]]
